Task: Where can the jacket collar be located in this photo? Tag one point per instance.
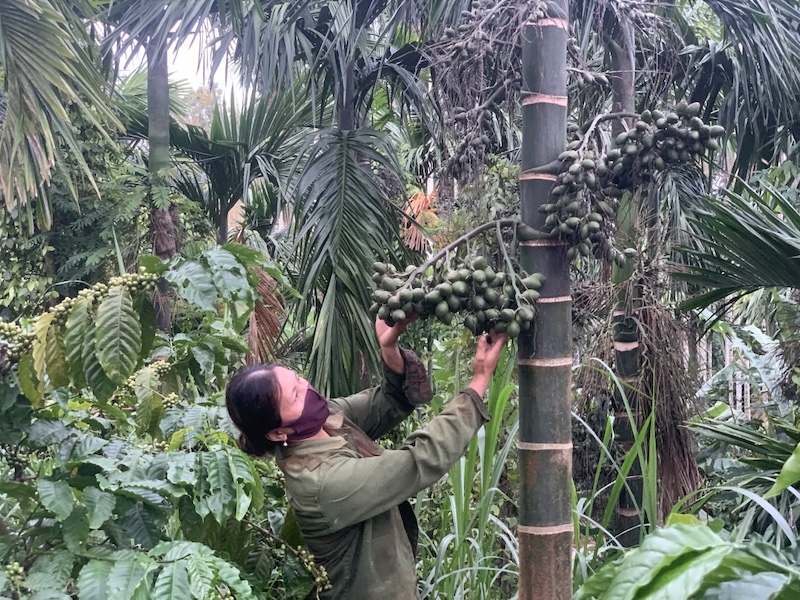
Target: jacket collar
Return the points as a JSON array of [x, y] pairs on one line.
[[332, 424]]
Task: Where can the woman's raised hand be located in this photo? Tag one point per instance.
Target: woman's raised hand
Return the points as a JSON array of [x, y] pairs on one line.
[[388, 335], [487, 356], [387, 338]]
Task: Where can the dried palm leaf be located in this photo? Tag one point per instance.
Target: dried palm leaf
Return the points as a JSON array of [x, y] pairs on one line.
[[265, 321]]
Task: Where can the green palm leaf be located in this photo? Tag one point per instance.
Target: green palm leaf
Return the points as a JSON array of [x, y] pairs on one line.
[[241, 148], [753, 75], [43, 51], [742, 243], [343, 222]]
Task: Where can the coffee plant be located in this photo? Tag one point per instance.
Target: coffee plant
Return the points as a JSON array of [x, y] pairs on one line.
[[116, 456]]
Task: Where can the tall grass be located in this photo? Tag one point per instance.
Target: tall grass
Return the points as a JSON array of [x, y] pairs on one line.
[[476, 555], [594, 539]]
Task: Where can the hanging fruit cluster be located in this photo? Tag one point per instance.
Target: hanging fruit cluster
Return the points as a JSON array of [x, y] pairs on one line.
[[483, 47], [659, 140], [589, 183], [135, 282], [488, 300], [14, 341]]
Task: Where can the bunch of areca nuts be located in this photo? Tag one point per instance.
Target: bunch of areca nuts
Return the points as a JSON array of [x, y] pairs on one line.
[[590, 182], [486, 299]]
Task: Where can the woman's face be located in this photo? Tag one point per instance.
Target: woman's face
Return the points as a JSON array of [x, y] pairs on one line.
[[293, 394]]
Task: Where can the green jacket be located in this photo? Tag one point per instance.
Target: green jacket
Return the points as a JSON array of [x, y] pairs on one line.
[[350, 498]]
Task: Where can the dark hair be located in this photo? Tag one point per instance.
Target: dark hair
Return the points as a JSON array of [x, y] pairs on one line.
[[252, 400]]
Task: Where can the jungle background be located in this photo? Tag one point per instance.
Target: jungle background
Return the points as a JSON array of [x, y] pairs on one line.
[[155, 238]]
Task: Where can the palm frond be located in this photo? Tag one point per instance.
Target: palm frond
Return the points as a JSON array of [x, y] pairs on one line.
[[268, 44], [343, 222], [130, 101], [163, 24], [241, 147], [45, 52], [265, 321], [753, 76], [742, 243]]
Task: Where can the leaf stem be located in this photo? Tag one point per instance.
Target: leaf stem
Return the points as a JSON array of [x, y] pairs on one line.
[[596, 121], [455, 243]]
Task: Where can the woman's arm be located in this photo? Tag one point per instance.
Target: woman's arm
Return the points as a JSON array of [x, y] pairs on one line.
[[387, 339], [405, 385]]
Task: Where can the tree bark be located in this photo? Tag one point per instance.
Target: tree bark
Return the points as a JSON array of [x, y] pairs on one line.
[[545, 352], [222, 224], [162, 225]]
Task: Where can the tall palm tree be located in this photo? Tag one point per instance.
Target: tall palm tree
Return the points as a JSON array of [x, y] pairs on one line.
[[350, 49], [545, 354], [259, 142], [152, 27], [673, 59]]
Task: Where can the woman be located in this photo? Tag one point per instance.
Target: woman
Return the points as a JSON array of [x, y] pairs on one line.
[[350, 498]]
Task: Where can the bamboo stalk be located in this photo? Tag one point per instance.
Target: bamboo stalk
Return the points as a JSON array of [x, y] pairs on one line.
[[545, 354]]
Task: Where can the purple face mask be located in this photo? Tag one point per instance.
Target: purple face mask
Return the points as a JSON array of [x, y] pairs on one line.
[[311, 420]]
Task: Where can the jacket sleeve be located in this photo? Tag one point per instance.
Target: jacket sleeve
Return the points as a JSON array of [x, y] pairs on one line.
[[377, 410], [357, 489]]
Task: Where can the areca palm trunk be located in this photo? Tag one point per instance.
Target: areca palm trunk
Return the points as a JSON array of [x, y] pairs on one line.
[[545, 353], [161, 218], [625, 333]]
